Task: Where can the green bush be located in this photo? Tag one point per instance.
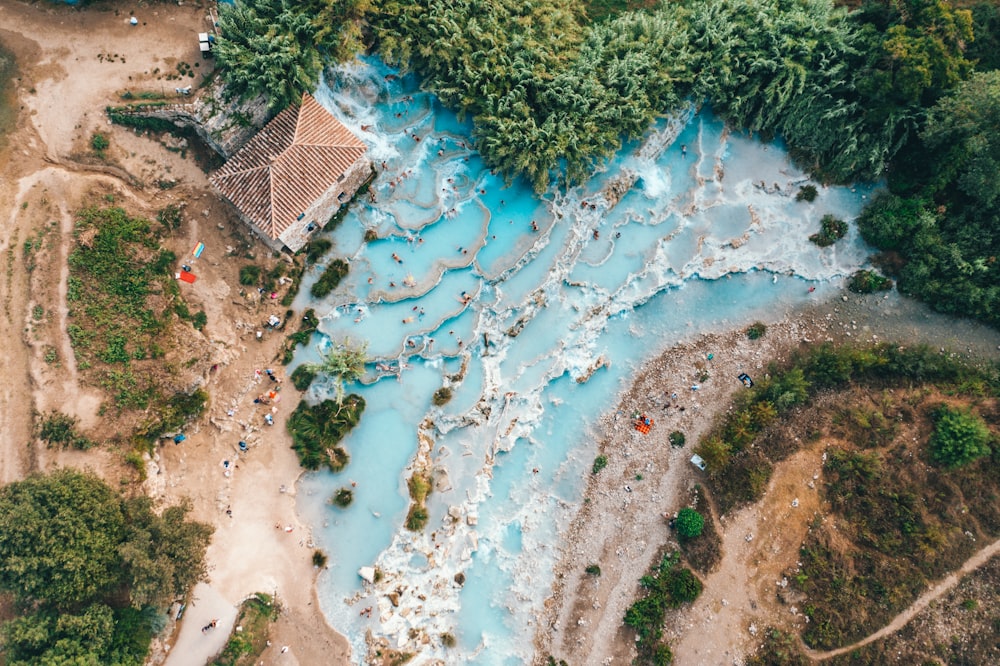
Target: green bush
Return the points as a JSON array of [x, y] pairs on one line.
[[303, 376], [666, 586], [593, 570], [316, 248], [756, 330], [448, 640], [831, 230], [250, 275], [58, 429], [331, 277], [689, 524], [677, 438], [600, 462], [867, 282], [99, 143], [959, 437], [318, 429], [199, 320], [343, 498], [319, 559], [807, 193]]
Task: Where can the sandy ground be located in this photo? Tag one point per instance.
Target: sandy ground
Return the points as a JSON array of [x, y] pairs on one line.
[[72, 63], [625, 530]]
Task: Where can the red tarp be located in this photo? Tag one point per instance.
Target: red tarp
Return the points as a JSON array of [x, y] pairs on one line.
[[187, 276]]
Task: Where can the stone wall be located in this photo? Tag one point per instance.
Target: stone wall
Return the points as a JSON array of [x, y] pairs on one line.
[[225, 126]]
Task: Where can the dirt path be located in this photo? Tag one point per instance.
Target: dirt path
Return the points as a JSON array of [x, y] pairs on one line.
[[935, 592]]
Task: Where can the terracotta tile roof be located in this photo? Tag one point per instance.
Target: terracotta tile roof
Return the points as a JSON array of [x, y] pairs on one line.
[[289, 164]]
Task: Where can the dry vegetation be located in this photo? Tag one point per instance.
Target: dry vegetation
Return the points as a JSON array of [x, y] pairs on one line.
[[893, 517]]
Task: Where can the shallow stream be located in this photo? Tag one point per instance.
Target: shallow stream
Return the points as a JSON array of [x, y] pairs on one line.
[[536, 311]]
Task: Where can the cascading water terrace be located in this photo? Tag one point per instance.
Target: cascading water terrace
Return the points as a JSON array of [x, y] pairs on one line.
[[534, 311]]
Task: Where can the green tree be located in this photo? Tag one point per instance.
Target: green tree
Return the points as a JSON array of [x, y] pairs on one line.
[[959, 437], [268, 47], [59, 537], [73, 553], [689, 524], [963, 132]]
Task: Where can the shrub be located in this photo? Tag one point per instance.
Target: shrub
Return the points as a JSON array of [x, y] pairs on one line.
[[199, 320], [99, 143], [677, 438], [371, 235], [441, 396], [319, 559], [689, 524], [807, 193], [867, 282], [60, 429], [303, 376], [448, 640], [600, 462], [318, 429], [756, 330], [331, 277], [593, 570], [317, 248], [249, 275], [831, 230], [959, 437], [343, 498], [170, 217]]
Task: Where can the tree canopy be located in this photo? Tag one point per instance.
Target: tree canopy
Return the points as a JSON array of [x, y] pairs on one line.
[[81, 561], [276, 47]]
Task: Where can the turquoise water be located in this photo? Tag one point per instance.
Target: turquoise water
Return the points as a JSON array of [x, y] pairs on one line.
[[513, 300]]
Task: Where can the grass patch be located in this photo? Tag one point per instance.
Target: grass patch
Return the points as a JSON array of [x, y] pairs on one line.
[[318, 429], [99, 143], [441, 396], [600, 462], [255, 617], [121, 298], [420, 487]]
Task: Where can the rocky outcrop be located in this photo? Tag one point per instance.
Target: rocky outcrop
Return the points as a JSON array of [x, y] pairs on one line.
[[224, 124]]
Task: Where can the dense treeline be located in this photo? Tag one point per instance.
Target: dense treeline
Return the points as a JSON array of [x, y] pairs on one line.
[[90, 571], [855, 94], [277, 47]]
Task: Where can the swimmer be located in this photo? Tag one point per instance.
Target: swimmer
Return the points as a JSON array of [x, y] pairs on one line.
[[597, 234]]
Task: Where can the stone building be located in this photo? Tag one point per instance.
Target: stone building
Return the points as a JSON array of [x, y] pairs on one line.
[[294, 175]]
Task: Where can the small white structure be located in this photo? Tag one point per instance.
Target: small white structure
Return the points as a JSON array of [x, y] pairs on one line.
[[698, 462]]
